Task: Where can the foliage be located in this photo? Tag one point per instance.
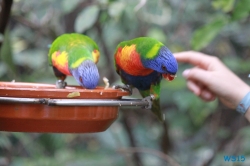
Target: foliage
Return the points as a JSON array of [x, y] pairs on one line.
[[201, 133], [231, 12]]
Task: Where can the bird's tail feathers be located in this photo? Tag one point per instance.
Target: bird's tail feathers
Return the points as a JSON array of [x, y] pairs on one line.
[[156, 109]]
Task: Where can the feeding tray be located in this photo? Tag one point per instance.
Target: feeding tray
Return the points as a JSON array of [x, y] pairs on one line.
[[33, 107]]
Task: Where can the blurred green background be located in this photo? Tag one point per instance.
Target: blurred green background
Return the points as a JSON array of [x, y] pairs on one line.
[[200, 133]]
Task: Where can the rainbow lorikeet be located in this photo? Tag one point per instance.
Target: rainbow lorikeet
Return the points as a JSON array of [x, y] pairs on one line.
[[77, 55], [141, 63]]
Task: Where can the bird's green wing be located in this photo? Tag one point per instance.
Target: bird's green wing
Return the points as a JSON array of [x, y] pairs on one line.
[[80, 48], [147, 47], [59, 44], [76, 47]]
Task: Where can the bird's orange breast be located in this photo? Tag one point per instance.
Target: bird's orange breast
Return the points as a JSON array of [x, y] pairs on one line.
[[129, 61], [60, 61]]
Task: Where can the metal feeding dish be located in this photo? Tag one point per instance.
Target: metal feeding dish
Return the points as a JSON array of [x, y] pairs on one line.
[[33, 107]]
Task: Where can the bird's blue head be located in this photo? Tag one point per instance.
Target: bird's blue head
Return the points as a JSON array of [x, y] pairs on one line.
[[86, 74], [164, 63]]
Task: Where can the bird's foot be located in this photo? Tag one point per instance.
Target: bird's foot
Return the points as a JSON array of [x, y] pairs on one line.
[[149, 99], [60, 84], [124, 87]]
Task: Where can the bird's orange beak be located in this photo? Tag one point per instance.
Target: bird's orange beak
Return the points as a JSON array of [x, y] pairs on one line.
[[169, 77]]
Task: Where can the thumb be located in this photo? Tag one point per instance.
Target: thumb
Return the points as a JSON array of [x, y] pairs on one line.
[[198, 75]]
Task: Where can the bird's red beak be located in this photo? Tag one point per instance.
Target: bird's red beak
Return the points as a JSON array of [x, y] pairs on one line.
[[169, 77]]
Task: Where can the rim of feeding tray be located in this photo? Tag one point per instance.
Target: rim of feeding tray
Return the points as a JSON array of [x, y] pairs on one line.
[[35, 107]]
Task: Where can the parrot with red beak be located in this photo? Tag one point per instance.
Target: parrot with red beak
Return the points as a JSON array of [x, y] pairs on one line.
[[142, 63]]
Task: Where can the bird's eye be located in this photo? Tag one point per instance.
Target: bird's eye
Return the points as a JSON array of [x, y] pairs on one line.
[[163, 67]]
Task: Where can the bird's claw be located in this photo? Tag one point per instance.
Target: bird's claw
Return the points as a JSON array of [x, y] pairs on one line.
[[60, 84], [124, 87], [149, 99]]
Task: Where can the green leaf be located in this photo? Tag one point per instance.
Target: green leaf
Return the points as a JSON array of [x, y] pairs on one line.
[[68, 6], [158, 34], [86, 18], [224, 5], [204, 35], [6, 53], [241, 10], [3, 69], [116, 8]]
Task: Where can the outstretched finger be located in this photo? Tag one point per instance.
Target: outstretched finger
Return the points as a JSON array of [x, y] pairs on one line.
[[194, 58]]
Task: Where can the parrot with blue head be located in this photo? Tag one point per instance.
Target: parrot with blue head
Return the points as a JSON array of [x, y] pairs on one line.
[[77, 55], [142, 63]]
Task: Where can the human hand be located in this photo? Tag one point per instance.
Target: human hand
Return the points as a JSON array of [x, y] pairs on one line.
[[210, 78]]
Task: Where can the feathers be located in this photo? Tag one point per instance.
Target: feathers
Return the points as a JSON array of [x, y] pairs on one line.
[[87, 74], [130, 60], [147, 47], [141, 63], [76, 54], [156, 102], [77, 46], [60, 61]]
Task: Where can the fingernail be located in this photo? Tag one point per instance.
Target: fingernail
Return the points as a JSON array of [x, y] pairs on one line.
[[185, 73]]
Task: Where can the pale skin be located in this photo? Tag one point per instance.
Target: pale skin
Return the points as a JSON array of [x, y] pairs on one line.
[[210, 79]]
